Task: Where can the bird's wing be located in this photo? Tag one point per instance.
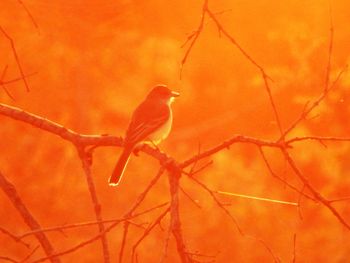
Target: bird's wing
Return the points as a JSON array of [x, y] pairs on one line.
[[147, 118]]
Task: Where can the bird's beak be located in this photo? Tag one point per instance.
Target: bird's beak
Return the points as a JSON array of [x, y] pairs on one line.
[[175, 94]]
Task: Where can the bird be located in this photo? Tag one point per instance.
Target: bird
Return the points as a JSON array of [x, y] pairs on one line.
[[150, 124]]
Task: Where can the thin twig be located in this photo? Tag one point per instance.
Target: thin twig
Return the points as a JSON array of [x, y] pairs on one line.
[[221, 205], [14, 51], [97, 207], [3, 85], [294, 247], [280, 178], [8, 259], [195, 202], [175, 221], [317, 138], [25, 259], [257, 198], [227, 144], [14, 237], [127, 216], [11, 192], [194, 36], [316, 194], [31, 17], [122, 246], [147, 231], [70, 226]]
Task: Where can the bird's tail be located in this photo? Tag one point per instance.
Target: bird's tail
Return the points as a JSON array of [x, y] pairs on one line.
[[120, 167]]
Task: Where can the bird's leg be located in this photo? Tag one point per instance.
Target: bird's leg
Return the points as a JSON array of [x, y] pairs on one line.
[[137, 149], [154, 145]]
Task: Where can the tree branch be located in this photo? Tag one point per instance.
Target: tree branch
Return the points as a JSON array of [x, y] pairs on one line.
[[94, 199], [10, 190], [14, 51]]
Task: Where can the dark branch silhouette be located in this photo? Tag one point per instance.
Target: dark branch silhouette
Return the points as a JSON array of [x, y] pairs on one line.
[[10, 190]]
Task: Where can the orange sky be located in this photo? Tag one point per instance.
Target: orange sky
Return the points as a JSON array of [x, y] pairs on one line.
[[96, 60]]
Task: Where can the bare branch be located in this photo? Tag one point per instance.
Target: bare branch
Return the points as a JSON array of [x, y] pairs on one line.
[[10, 190], [3, 85], [221, 205], [294, 247], [122, 246], [257, 198], [95, 202], [330, 49], [147, 231], [317, 138], [31, 17], [281, 179], [14, 51], [195, 202], [8, 259], [175, 222], [307, 110], [316, 194], [194, 36], [25, 259], [83, 224], [14, 237], [227, 144], [127, 216]]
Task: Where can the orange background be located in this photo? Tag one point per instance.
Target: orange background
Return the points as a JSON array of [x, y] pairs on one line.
[[96, 60]]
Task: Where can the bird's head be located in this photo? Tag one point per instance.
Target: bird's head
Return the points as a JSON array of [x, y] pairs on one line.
[[161, 92]]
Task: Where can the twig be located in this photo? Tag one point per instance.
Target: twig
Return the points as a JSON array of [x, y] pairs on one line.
[[316, 194], [122, 246], [19, 78], [166, 245], [15, 238], [72, 136], [212, 194], [95, 202], [75, 225], [317, 138], [195, 202], [307, 110], [294, 247], [330, 49], [276, 259], [29, 14], [257, 198], [194, 36], [222, 206], [127, 216], [10, 190], [281, 179], [175, 222], [3, 85], [341, 199], [29, 255], [8, 259], [251, 60], [138, 202], [227, 144], [147, 232], [14, 51], [193, 172]]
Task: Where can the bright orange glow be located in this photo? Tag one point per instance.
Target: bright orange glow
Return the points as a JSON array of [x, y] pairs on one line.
[[95, 61]]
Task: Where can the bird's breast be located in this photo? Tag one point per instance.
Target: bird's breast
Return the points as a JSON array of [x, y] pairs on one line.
[[162, 132]]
